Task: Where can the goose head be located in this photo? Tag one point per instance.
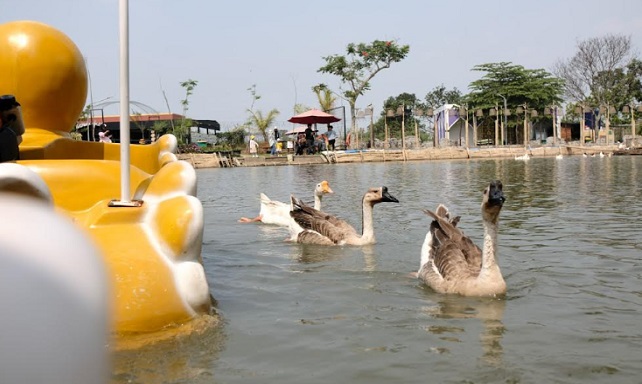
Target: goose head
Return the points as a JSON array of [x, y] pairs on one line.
[[379, 195], [492, 201], [322, 188]]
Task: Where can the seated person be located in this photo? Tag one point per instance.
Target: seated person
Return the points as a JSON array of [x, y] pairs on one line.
[[301, 144], [319, 143]]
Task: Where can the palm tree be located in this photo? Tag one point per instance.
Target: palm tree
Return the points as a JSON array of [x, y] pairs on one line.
[[262, 123], [325, 96]]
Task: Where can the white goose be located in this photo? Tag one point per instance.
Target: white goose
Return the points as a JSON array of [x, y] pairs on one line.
[[311, 226], [524, 157], [452, 263], [278, 213], [559, 156]]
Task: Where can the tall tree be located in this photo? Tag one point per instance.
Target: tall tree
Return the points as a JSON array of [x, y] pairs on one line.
[[256, 117], [360, 64], [622, 86], [189, 86], [591, 71]]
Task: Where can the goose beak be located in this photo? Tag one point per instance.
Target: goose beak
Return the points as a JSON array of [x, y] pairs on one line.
[[325, 186], [495, 194], [387, 197]]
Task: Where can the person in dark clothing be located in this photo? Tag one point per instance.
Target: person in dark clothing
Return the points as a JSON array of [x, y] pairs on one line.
[[11, 128], [309, 139]]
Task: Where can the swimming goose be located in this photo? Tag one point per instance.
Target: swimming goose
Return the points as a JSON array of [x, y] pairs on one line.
[[452, 263], [523, 157], [311, 226], [559, 156], [278, 213]]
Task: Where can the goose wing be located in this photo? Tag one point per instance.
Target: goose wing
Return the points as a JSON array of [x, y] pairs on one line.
[[453, 255], [274, 212], [323, 224]]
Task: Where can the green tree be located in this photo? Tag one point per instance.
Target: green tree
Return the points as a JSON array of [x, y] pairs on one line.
[[406, 102], [534, 88], [325, 97], [360, 64], [440, 96], [256, 117], [160, 127], [183, 131], [233, 139], [300, 108]]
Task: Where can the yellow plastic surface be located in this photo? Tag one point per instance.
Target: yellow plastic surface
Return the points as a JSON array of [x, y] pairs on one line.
[[153, 251]]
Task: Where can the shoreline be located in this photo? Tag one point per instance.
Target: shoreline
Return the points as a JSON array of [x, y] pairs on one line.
[[215, 160]]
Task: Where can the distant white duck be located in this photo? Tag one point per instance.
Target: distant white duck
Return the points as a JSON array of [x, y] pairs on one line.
[[311, 226], [524, 157], [584, 154], [278, 213], [602, 154], [559, 157], [452, 263]]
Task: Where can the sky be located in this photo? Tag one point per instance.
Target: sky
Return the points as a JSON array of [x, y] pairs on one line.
[[278, 45]]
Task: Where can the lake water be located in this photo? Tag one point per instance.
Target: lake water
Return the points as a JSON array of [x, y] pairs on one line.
[[570, 252]]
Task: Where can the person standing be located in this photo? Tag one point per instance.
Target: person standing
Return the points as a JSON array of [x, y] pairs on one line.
[[331, 135], [309, 139], [274, 137], [104, 136], [254, 147], [11, 128]]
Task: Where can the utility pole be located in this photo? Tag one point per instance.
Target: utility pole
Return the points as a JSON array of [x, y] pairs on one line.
[[504, 122], [496, 124], [372, 135]]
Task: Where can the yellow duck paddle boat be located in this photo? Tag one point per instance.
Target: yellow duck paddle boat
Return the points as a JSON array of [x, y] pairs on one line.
[[152, 252]]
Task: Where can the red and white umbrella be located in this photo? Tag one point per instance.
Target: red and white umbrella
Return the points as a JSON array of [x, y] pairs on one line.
[[313, 116]]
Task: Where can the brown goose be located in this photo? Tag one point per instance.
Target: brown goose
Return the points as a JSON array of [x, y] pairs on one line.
[[452, 263], [311, 226]]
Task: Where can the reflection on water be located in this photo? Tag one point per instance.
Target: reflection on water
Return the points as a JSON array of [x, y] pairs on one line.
[[569, 250], [180, 359], [489, 312]]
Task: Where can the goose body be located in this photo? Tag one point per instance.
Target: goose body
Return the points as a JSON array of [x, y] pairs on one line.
[[312, 226], [278, 213], [452, 263], [559, 156], [524, 157]]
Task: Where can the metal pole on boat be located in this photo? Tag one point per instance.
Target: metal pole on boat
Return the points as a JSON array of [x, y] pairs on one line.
[[123, 13]]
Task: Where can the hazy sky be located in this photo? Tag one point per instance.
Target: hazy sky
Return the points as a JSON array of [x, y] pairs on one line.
[[279, 44]]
